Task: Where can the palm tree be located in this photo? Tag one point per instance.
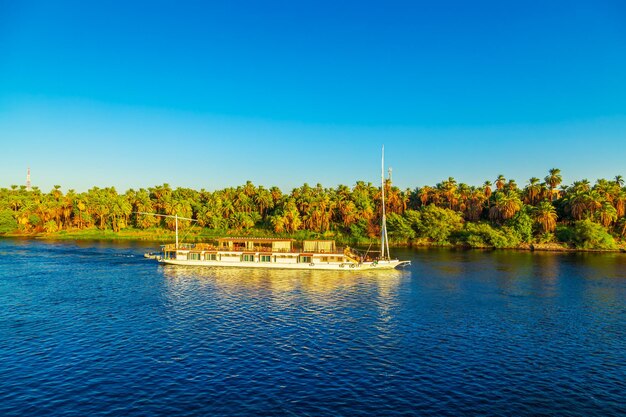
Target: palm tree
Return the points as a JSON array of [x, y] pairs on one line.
[[227, 208], [293, 221], [553, 179], [177, 206], [143, 204], [348, 213], [120, 211], [606, 214], [278, 223], [277, 194], [576, 204], [532, 190], [475, 205], [511, 186], [593, 201], [394, 201], [487, 188], [605, 189], [505, 206], [161, 194], [620, 203], [99, 205], [500, 181], [81, 207], [242, 201], [464, 193], [621, 227], [448, 189], [424, 194], [545, 215], [619, 180], [264, 201], [249, 189], [15, 201], [241, 220], [580, 186], [67, 207], [54, 205]]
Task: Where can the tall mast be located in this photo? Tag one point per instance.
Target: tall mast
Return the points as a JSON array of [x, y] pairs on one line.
[[176, 217], [383, 225], [386, 235]]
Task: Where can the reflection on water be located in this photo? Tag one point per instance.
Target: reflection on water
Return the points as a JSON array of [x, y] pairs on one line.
[[282, 280], [294, 295]]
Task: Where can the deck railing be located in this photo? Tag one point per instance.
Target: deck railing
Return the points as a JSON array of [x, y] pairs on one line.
[[210, 247]]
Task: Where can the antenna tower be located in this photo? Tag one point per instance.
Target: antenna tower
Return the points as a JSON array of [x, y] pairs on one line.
[[28, 187]]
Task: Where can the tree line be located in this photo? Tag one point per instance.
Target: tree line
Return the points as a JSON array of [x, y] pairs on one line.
[[499, 213]]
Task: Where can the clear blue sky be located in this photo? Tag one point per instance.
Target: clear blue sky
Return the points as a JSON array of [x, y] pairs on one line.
[[210, 94]]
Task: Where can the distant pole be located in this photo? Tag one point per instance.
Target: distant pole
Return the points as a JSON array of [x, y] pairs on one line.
[[28, 187]]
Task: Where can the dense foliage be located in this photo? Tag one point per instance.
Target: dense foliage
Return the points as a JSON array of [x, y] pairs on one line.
[[492, 215]]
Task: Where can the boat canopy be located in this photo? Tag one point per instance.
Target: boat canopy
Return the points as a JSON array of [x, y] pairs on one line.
[[255, 244], [319, 246]]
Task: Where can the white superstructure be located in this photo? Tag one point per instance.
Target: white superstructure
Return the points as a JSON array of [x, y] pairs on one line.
[[273, 253]]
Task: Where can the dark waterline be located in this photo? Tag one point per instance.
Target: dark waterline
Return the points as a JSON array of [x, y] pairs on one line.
[[91, 328]]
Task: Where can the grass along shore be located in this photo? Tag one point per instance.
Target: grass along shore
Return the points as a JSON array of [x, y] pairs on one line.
[[161, 235]]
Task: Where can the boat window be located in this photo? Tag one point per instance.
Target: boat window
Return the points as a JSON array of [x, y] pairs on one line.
[[248, 258], [266, 258], [305, 259], [210, 257], [193, 256]]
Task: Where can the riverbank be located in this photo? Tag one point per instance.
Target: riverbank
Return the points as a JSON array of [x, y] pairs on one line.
[[532, 247], [159, 235]]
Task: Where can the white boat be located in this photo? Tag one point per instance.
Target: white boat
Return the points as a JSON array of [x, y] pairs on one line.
[[248, 252], [268, 253]]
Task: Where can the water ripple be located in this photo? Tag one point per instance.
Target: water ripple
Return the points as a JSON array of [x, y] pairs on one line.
[[94, 329]]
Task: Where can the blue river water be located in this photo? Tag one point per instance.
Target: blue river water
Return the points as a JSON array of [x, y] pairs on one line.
[[94, 329]]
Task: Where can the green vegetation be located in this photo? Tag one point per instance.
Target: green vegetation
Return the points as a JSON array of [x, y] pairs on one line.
[[7, 221], [498, 215], [586, 234]]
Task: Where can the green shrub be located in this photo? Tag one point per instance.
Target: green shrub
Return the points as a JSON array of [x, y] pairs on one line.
[[522, 225], [34, 219], [358, 231], [483, 235], [413, 217], [545, 238], [586, 234], [437, 224], [565, 234], [399, 228], [50, 226], [7, 222]]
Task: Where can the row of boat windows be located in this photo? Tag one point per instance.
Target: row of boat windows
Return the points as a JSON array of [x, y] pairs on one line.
[[193, 256]]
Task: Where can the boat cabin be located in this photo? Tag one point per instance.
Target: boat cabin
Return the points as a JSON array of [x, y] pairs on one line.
[[254, 244]]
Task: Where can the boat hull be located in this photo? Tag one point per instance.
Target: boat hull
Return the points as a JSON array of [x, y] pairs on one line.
[[347, 266]]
